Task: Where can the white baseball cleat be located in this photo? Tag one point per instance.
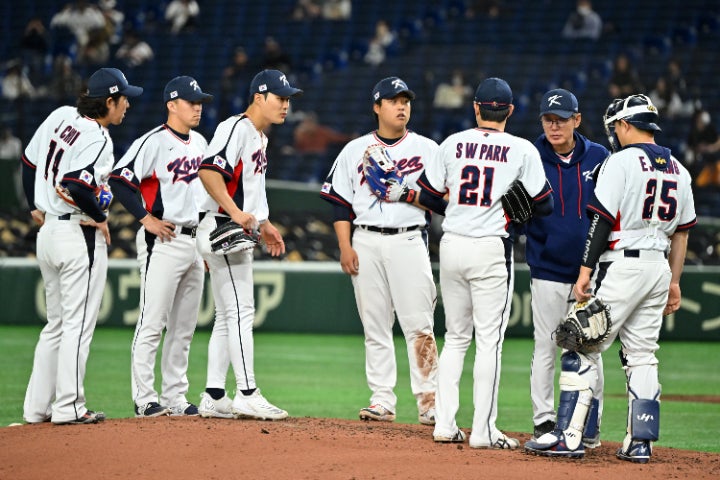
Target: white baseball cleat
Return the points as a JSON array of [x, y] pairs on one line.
[[256, 406], [211, 408], [457, 437], [502, 442], [428, 417], [377, 413]]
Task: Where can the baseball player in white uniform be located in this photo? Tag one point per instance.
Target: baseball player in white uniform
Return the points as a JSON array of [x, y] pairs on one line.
[[162, 165], [233, 173], [387, 255], [68, 158], [640, 216], [476, 167]]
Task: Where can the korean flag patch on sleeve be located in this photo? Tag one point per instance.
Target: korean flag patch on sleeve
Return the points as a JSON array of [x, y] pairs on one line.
[[219, 161], [127, 174], [86, 177]]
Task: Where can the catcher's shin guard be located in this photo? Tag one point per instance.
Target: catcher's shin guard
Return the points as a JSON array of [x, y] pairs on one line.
[[573, 407], [591, 434], [643, 428], [575, 398]]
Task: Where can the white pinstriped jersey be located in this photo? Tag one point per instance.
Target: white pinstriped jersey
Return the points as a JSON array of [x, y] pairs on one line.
[[645, 205], [67, 147], [164, 167], [476, 167], [346, 183], [237, 151]]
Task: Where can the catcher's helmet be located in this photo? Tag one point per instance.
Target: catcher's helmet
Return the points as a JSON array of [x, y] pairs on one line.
[[637, 110]]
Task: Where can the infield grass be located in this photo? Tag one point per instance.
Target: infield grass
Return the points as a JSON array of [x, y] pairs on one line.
[[324, 376]]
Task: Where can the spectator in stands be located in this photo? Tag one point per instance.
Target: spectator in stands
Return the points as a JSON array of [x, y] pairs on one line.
[[676, 80], [306, 10], [235, 84], [274, 58], [311, 137], [453, 94], [667, 100], [336, 9], [624, 80], [66, 84], [10, 183], [10, 145], [15, 83], [35, 46], [489, 8], [80, 18], [383, 40], [182, 15], [96, 51], [584, 22], [134, 51], [703, 152], [113, 20]]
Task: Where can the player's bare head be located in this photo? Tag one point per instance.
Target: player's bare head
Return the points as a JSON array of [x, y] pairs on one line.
[[394, 90], [272, 81], [634, 112], [493, 100]]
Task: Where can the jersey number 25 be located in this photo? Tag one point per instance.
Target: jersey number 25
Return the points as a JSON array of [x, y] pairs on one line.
[[668, 209]]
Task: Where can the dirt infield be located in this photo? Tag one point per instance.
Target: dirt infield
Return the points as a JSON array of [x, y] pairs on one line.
[[299, 448]]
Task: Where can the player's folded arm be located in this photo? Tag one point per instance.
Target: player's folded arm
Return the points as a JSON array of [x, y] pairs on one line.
[[86, 200], [544, 201], [28, 181], [430, 197], [127, 194]]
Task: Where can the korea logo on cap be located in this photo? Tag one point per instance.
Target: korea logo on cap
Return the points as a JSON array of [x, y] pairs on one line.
[[114, 89]]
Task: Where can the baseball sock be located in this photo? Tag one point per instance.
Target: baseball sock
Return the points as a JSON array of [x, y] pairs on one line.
[[248, 392], [215, 393]]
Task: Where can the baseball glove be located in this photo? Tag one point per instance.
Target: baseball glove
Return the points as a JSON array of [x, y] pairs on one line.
[[103, 194], [230, 238], [385, 181], [517, 203], [585, 327]]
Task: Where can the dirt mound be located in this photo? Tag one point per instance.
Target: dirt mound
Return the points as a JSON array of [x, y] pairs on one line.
[[299, 448]]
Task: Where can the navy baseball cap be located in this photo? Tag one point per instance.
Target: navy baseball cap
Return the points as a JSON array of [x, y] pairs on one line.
[[109, 81], [494, 94], [186, 88], [559, 102], [391, 87], [273, 81]]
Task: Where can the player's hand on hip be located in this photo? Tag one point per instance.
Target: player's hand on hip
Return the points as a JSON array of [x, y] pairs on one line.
[[272, 238], [102, 226], [162, 229], [38, 217], [349, 261]]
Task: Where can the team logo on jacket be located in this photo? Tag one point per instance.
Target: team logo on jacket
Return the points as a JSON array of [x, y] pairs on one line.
[[86, 177], [219, 161]]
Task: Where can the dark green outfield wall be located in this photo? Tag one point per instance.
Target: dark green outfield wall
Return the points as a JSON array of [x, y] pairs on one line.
[[317, 297]]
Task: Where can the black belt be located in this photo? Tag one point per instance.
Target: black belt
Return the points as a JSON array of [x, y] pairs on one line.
[[64, 217], [636, 253], [189, 231], [388, 230]]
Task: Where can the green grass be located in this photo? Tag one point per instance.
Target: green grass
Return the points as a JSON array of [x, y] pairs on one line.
[[323, 376]]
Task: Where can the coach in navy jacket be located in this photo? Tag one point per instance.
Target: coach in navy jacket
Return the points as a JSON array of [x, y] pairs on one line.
[[555, 245]]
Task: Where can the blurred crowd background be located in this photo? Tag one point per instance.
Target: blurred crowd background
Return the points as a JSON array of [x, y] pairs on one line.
[[336, 50]]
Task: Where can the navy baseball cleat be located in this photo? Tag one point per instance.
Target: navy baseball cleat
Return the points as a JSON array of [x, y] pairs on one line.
[[553, 444], [87, 418], [639, 451]]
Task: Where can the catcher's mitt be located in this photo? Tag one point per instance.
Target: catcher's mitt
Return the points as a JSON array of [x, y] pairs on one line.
[[585, 327], [385, 181], [517, 203], [230, 238]]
